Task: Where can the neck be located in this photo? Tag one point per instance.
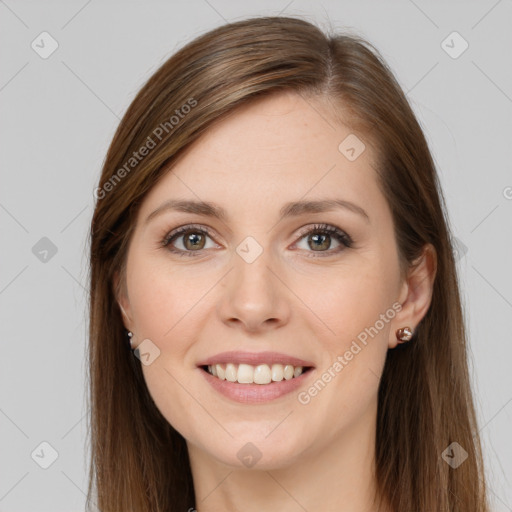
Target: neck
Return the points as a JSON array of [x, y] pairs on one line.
[[338, 476]]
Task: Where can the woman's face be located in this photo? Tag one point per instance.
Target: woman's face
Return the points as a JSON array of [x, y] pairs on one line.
[[320, 284]]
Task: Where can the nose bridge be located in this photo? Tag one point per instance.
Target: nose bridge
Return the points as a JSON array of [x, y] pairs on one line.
[[253, 295]]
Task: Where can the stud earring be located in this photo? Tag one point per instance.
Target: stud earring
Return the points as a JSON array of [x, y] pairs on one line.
[[404, 334]]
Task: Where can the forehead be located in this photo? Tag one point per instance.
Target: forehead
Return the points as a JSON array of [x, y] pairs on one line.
[[276, 149]]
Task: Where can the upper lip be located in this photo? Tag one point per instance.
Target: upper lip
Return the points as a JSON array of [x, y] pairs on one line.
[[254, 358]]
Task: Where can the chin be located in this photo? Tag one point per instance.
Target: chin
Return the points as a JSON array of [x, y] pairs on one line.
[[255, 452]]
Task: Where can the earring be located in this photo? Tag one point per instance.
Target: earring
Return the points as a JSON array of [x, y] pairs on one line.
[[404, 334], [130, 336]]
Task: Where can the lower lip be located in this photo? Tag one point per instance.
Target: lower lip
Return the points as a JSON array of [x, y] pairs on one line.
[[255, 393]]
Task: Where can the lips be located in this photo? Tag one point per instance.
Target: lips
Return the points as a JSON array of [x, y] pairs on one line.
[[254, 393], [265, 376]]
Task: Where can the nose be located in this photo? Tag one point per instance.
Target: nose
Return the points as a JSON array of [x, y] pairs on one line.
[[254, 298]]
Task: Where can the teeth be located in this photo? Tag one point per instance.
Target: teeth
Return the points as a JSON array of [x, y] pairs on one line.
[[288, 372], [231, 372], [245, 374], [277, 372], [260, 374], [221, 372]]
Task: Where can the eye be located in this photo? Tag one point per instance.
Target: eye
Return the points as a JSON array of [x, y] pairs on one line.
[[319, 238], [192, 239]]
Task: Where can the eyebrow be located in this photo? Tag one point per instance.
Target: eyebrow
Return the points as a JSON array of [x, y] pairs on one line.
[[291, 209]]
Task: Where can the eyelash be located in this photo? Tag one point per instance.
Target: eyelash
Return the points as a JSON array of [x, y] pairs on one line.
[[324, 229]]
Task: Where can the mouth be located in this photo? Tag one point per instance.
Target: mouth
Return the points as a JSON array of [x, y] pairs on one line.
[[255, 377], [262, 374]]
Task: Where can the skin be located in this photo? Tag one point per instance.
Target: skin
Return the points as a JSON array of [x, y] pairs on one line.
[[293, 298]]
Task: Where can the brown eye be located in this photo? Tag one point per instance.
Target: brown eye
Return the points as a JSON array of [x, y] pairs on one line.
[[321, 241], [187, 240], [194, 240]]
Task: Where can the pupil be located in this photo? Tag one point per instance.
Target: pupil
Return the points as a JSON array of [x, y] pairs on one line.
[[322, 244], [194, 240]]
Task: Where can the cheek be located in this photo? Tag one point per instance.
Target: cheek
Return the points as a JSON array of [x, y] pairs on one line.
[[355, 306], [162, 304], [346, 386], [161, 298], [348, 301], [170, 306]]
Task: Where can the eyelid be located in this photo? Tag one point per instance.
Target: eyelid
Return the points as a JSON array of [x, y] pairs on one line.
[[187, 227], [179, 232], [343, 238]]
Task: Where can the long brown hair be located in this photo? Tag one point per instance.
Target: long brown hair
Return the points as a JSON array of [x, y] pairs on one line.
[[138, 461]]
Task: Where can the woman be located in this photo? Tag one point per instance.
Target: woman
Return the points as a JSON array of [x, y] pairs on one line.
[[275, 314]]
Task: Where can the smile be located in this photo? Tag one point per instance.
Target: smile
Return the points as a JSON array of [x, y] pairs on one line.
[[259, 374]]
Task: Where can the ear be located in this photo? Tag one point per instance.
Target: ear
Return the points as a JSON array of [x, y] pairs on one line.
[[123, 301], [416, 292]]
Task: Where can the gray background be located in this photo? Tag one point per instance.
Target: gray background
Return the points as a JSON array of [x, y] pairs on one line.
[[58, 116]]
